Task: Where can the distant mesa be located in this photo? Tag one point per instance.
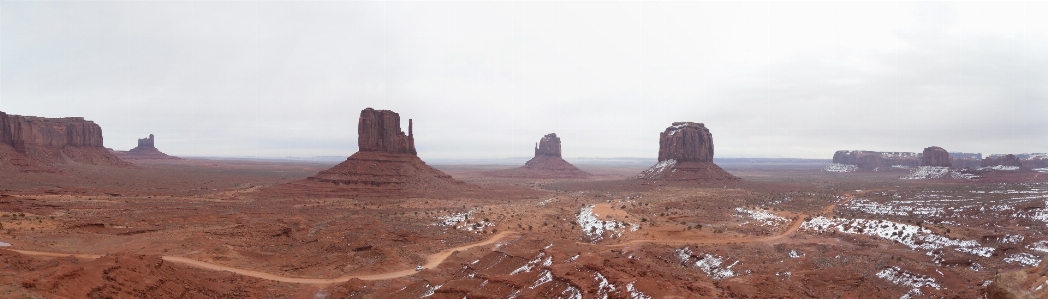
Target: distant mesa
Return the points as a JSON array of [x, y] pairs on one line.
[[386, 164], [547, 163], [1002, 160], [146, 150], [966, 160], [686, 155], [39, 144], [870, 160], [935, 156], [1027, 161]]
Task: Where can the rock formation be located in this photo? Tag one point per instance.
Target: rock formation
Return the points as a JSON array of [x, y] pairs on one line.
[[935, 156], [999, 160], [965, 160], [546, 164], [38, 144], [1022, 283], [869, 160], [386, 164], [146, 150], [686, 155]]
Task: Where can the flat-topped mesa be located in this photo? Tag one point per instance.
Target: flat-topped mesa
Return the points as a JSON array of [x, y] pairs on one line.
[[935, 156], [1002, 160], [549, 145], [379, 131], [686, 141], [39, 144], [873, 159], [686, 155]]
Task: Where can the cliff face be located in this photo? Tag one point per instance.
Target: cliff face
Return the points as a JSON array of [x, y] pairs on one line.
[[38, 144], [379, 131], [935, 156], [549, 145], [21, 131], [686, 141]]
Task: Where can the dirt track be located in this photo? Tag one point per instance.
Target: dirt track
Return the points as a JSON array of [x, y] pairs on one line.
[[432, 261]]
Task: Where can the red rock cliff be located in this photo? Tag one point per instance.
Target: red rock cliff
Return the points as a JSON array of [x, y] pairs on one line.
[[549, 145], [379, 131], [19, 131], [686, 141], [935, 156], [1006, 160]]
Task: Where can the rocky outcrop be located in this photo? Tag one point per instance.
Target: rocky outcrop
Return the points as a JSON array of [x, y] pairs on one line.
[[1002, 160], [146, 150], [935, 156], [547, 163], [385, 165], [686, 155], [869, 160], [379, 131], [549, 145], [966, 160], [38, 144], [1019, 284], [686, 141]]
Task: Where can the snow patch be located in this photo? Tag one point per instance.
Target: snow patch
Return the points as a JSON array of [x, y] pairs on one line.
[[904, 278], [912, 236], [763, 217], [1023, 258], [837, 167]]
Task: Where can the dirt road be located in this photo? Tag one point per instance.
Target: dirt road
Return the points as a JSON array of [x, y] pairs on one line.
[[432, 261]]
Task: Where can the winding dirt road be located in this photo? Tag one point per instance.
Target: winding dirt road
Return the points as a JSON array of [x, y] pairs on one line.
[[432, 261]]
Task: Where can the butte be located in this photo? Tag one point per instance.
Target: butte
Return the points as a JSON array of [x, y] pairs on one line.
[[547, 163], [146, 150], [386, 164], [38, 144], [686, 155]]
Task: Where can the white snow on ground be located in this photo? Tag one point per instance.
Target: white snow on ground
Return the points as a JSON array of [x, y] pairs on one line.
[[603, 286], [453, 219], [432, 290], [902, 167], [1023, 258], [1000, 167], [837, 167], [912, 236], [876, 208], [712, 265], [594, 228], [545, 277], [544, 202], [531, 264], [658, 168], [1012, 239], [634, 293], [904, 278], [1040, 169], [794, 254], [571, 293], [1041, 246], [763, 217], [936, 172]]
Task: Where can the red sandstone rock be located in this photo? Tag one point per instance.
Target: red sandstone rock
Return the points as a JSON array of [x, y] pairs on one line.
[[38, 144], [1006, 160], [686, 155], [547, 163], [549, 145], [686, 141], [379, 131], [935, 156], [146, 150], [386, 165]]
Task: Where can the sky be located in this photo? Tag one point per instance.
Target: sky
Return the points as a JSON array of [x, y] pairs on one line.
[[489, 79]]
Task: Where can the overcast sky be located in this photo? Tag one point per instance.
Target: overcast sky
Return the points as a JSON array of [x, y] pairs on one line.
[[488, 79]]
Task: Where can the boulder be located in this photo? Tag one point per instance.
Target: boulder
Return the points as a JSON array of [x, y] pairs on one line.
[[935, 156]]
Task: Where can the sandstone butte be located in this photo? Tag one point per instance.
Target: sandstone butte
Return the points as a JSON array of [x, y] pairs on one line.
[[39, 144], [686, 155], [935, 156], [385, 164], [547, 163], [146, 150]]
